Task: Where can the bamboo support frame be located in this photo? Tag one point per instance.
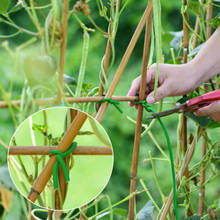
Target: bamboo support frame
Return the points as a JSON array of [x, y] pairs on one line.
[[59, 199], [97, 150], [124, 62], [186, 162], [70, 100], [64, 144], [44, 150], [63, 49], [136, 149]]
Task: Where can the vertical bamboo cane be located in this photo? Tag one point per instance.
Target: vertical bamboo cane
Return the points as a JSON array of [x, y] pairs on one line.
[[136, 148], [62, 183], [183, 136], [63, 49], [66, 141], [124, 61], [204, 145]]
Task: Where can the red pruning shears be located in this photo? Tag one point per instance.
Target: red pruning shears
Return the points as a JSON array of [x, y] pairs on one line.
[[191, 105]]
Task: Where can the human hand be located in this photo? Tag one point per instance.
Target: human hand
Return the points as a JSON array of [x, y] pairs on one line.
[[212, 110], [173, 80]]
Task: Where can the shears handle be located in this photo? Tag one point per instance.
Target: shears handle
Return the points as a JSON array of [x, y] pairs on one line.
[[206, 98]]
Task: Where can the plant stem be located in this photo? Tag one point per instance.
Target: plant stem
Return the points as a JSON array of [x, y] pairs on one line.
[[63, 50], [156, 178]]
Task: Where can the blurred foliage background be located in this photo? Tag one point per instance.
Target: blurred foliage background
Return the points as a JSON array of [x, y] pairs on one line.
[[119, 128]]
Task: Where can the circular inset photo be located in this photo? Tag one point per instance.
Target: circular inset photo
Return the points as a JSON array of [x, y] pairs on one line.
[[60, 158]]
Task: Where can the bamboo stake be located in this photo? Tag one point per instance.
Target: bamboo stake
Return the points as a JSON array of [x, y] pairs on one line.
[[204, 145], [202, 179], [44, 150], [208, 18], [136, 148], [186, 162], [183, 132], [196, 30], [63, 49], [124, 61], [59, 199], [64, 144], [50, 101]]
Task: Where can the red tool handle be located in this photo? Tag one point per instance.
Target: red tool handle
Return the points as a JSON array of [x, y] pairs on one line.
[[208, 97]]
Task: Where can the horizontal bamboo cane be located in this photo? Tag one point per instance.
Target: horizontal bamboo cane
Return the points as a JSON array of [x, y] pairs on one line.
[[64, 144], [44, 150], [181, 174], [49, 101]]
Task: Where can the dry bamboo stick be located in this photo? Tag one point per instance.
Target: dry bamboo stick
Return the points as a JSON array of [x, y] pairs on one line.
[[187, 160], [49, 101], [64, 144], [63, 49], [44, 150], [136, 148], [59, 199], [204, 145], [183, 136], [202, 179], [208, 18], [124, 61]]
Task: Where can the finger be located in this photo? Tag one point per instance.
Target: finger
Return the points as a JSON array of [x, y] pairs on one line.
[[161, 93], [134, 89], [151, 73], [211, 109]]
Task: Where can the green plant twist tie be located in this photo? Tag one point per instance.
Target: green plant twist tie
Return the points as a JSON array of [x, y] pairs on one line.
[[146, 105], [113, 102], [148, 108], [61, 162]]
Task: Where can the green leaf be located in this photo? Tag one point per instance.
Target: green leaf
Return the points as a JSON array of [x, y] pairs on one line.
[[201, 120], [16, 8], [194, 217], [175, 43], [69, 80], [213, 124], [16, 208], [195, 7], [215, 22], [4, 5], [195, 51], [121, 212], [146, 212]]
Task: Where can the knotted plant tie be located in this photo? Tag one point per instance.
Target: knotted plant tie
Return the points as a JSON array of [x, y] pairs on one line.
[[60, 156], [113, 102], [145, 105], [149, 109]]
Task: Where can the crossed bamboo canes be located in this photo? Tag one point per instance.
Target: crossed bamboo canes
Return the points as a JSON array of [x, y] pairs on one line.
[[44, 150]]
